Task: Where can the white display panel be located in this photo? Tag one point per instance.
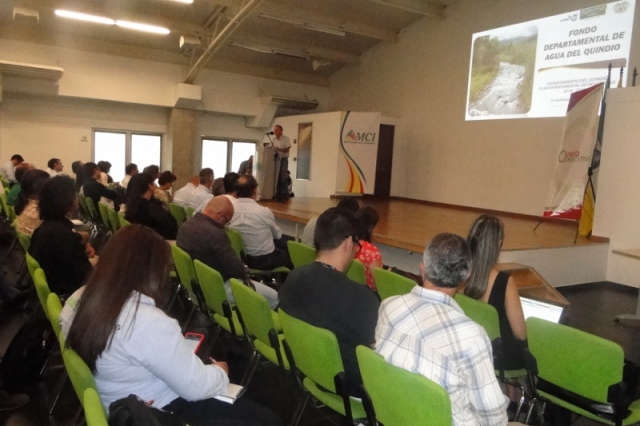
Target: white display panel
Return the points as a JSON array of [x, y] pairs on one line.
[[530, 69]]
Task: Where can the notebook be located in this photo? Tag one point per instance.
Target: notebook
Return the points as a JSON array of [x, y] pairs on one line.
[[232, 393], [546, 311]]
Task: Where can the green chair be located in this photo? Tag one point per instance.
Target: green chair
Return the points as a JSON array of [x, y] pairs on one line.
[[187, 277], [24, 240], [32, 265], [190, 211], [260, 328], [401, 397], [54, 307], [42, 289], [104, 216], [123, 222], [11, 213], [93, 409], [300, 254], [391, 284], [177, 211], [82, 203], [4, 205], [236, 242], [114, 222], [79, 373], [215, 297], [356, 272], [482, 313], [580, 372], [315, 354]]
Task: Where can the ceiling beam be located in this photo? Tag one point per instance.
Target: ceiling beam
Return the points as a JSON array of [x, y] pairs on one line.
[[291, 45], [348, 25], [419, 7], [221, 38]]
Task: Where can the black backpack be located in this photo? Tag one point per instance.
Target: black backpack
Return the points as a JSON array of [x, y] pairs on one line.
[[132, 411], [27, 354]]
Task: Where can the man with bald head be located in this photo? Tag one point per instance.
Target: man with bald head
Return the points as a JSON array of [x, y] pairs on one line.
[[205, 239]]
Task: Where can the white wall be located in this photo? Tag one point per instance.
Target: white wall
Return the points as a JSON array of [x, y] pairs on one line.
[[496, 164]]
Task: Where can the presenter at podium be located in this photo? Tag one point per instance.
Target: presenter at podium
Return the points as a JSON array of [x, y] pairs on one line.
[[282, 145]]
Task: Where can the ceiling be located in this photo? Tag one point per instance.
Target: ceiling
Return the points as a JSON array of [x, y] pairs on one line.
[[302, 41]]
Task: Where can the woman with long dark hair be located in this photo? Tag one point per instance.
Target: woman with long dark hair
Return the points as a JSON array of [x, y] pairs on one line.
[[144, 209], [26, 206], [367, 253], [133, 347], [496, 288]]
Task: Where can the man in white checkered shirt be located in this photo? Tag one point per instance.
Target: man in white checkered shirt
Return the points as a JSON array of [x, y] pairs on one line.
[[426, 332]]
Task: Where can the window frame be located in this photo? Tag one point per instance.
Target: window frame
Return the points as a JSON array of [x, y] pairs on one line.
[[127, 143], [230, 142]]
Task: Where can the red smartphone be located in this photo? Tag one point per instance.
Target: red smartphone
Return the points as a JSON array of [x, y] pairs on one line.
[[194, 340]]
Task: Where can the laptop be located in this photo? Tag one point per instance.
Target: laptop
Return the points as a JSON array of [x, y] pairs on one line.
[[546, 311]]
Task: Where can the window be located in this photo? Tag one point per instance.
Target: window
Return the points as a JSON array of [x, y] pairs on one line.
[[122, 148], [225, 155]]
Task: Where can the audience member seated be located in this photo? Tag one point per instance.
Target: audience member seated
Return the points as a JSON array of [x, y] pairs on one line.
[[78, 168], [258, 228], [8, 170], [15, 190], [129, 170], [116, 326], [218, 187], [144, 209], [246, 167], [105, 168], [60, 250], [349, 204], [153, 171], [497, 289], [182, 196], [26, 206], [426, 332], [202, 192], [92, 187], [367, 253], [204, 238], [228, 189], [161, 192], [321, 294], [54, 167]]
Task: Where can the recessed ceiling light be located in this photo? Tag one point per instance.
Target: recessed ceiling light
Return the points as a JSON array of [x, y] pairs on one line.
[[84, 17]]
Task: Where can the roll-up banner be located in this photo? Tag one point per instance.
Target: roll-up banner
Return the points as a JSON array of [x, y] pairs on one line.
[[358, 152], [570, 177]]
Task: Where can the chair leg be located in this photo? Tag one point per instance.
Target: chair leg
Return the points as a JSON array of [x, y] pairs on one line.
[[58, 390], [299, 411], [251, 368]]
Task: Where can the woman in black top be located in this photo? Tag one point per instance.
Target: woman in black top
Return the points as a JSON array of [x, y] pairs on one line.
[[144, 209]]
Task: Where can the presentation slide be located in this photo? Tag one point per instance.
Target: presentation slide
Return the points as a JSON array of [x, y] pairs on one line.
[[530, 69]]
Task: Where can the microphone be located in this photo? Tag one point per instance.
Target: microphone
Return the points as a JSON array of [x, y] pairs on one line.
[[269, 133]]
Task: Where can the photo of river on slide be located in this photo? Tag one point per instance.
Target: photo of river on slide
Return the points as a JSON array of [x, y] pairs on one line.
[[502, 70]]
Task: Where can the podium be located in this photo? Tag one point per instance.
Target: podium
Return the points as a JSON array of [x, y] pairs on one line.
[[267, 170]]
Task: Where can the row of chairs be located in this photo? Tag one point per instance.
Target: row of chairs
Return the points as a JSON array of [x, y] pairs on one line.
[[181, 214], [76, 369]]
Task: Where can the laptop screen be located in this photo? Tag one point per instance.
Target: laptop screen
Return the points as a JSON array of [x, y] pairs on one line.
[[535, 308]]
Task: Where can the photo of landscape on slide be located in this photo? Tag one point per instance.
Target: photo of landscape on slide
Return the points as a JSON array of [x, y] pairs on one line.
[[502, 70]]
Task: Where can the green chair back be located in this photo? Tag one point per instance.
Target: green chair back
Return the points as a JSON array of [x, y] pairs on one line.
[[93, 409], [574, 360], [123, 222], [54, 307], [215, 297], [177, 211], [401, 397], [236, 241], [4, 205], [190, 211], [11, 213], [482, 313], [258, 321], [114, 222], [300, 254], [82, 203], [104, 214], [32, 265], [184, 267], [91, 208], [79, 373], [24, 240], [316, 355], [356, 272], [391, 284], [42, 289]]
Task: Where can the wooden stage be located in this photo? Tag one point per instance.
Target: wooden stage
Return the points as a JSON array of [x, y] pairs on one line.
[[407, 226], [410, 225]]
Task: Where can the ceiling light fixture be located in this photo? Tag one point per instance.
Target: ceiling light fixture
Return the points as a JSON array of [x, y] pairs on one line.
[[305, 24], [84, 17], [142, 27], [184, 1], [270, 50]]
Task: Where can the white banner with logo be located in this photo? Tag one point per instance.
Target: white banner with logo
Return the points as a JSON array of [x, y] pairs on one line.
[[358, 152], [574, 158]]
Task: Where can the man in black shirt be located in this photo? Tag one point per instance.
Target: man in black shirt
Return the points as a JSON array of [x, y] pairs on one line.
[[92, 187], [322, 295]]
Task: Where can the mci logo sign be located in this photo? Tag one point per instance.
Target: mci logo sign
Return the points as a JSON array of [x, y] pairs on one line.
[[360, 137]]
